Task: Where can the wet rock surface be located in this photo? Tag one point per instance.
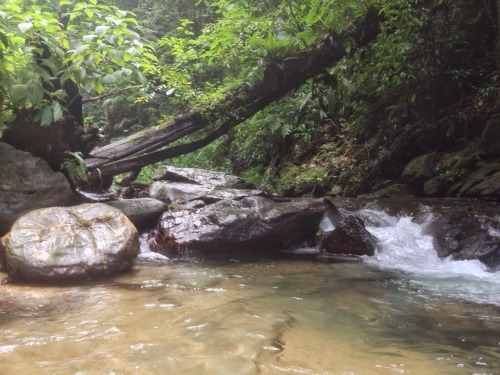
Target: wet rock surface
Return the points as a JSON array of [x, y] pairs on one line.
[[143, 212], [255, 224], [468, 234], [61, 244], [181, 186], [349, 237]]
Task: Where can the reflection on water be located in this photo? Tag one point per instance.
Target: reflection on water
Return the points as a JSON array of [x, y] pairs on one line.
[[270, 317]]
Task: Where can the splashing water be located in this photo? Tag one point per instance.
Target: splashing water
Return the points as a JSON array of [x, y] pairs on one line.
[[403, 246]]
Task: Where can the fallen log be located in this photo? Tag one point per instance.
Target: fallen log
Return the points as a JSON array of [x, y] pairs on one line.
[[148, 146]]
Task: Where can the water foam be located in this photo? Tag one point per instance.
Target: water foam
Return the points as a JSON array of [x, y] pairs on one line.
[[405, 247]]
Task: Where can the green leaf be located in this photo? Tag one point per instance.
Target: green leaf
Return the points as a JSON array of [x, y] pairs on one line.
[[89, 38], [19, 93], [312, 17], [98, 86], [80, 74], [57, 111], [46, 116], [4, 39], [36, 94], [101, 30], [141, 78], [25, 26]]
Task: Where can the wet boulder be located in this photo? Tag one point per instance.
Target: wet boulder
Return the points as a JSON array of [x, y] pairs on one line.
[[181, 186], [180, 193], [28, 183], [80, 242], [467, 232], [201, 177], [253, 224], [143, 212], [348, 237]]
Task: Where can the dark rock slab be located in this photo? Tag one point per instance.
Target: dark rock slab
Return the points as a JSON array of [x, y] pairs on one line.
[[28, 183], [465, 233], [254, 224], [143, 212]]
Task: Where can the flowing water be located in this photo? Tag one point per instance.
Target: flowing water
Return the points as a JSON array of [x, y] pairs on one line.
[[403, 311]]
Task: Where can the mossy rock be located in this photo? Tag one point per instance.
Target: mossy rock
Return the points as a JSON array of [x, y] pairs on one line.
[[436, 187], [393, 190], [419, 170], [484, 182]]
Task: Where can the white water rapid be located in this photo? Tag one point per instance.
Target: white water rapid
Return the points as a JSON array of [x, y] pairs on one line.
[[404, 247]]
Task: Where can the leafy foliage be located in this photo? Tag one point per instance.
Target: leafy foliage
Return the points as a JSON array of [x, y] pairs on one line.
[[74, 167], [429, 55], [93, 44]]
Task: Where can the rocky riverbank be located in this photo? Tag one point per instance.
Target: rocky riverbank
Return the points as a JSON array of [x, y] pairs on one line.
[[193, 212]]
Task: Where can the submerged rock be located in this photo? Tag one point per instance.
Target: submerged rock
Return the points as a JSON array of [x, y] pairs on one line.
[[81, 242], [254, 224]]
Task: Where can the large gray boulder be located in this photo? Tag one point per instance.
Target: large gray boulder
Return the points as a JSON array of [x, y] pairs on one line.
[[80, 242], [250, 225], [28, 183]]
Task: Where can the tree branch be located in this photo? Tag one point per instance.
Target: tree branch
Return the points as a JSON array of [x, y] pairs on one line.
[[111, 93], [144, 147]]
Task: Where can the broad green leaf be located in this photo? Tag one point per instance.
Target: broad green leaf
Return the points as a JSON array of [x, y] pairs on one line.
[[57, 111], [89, 38], [141, 78], [46, 116], [101, 30], [19, 93], [80, 73], [25, 26], [98, 86]]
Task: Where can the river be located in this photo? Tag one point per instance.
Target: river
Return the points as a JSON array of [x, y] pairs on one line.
[[404, 311]]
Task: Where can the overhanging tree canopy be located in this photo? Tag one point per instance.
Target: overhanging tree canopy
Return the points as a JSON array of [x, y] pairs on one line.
[[216, 119]]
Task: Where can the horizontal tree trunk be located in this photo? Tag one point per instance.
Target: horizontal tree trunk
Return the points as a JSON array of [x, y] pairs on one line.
[[147, 147]]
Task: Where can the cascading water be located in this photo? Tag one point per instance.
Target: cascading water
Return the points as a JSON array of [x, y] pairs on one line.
[[404, 246]]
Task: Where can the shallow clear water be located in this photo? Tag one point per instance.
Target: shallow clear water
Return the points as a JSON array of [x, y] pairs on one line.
[[393, 314]]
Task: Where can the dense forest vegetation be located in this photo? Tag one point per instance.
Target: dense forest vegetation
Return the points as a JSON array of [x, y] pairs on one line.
[[426, 85]]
